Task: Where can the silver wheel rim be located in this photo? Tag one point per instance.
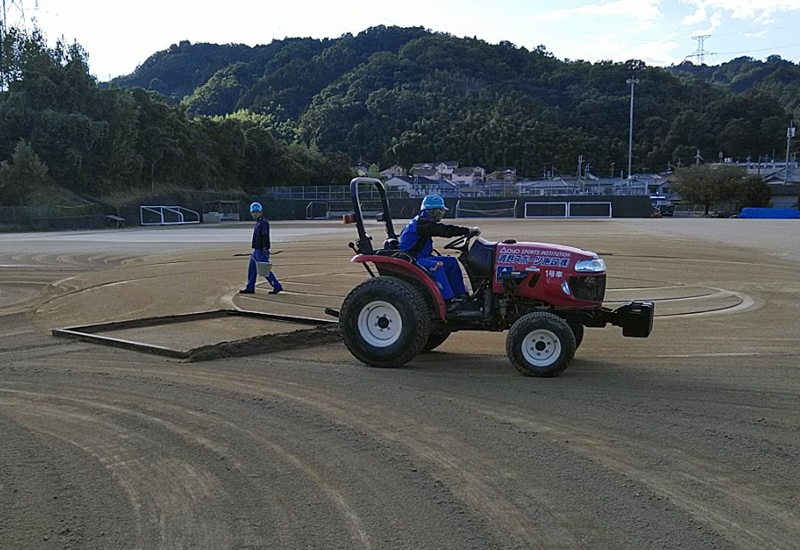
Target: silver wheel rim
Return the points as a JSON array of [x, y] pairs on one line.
[[380, 324], [541, 348]]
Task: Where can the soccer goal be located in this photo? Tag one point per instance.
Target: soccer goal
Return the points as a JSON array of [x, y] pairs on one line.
[[588, 209], [316, 210], [369, 209], [571, 209], [486, 209], [546, 210], [167, 215]]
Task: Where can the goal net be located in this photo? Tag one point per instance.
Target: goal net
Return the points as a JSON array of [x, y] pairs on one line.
[[571, 209], [316, 210], [167, 215], [486, 209], [369, 209]]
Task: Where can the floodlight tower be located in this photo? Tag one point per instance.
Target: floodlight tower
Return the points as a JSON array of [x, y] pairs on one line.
[[633, 82]]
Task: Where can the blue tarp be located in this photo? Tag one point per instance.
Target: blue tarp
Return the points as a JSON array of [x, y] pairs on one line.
[[782, 213]]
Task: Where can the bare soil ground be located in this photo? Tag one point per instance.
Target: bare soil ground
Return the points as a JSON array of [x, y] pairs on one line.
[[689, 439]]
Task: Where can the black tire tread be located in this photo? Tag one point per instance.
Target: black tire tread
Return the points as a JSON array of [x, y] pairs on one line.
[[555, 324], [435, 340], [402, 294], [578, 331]]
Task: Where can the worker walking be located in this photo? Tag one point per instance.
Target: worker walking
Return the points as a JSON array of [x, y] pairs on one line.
[[260, 253]]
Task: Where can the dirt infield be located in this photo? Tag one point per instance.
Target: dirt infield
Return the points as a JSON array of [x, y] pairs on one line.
[[689, 439]]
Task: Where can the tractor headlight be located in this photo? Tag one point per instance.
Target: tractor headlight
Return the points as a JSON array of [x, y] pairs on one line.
[[565, 288], [595, 265]]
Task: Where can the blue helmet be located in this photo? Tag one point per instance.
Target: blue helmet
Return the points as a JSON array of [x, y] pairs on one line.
[[433, 201], [256, 207]]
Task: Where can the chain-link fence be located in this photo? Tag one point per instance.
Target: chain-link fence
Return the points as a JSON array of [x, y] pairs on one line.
[[23, 218]]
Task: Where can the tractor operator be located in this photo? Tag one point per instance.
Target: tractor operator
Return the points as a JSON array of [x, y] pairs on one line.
[[260, 253], [416, 240]]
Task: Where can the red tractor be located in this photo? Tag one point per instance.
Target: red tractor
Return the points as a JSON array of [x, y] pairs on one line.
[[543, 294]]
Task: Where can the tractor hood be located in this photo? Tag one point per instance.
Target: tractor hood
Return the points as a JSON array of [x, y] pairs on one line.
[[545, 255]]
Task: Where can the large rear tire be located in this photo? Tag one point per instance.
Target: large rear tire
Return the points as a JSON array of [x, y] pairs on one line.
[[385, 322], [540, 344]]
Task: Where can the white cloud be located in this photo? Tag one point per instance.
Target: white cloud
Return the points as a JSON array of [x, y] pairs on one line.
[[642, 10], [713, 24], [747, 9], [612, 47], [658, 52], [696, 18]]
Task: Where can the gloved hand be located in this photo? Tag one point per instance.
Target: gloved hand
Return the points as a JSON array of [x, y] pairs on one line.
[[474, 231]]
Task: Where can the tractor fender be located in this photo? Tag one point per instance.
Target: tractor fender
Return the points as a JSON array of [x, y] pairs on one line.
[[404, 268]]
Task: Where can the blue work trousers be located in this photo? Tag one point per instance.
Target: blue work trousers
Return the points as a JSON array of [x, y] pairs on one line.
[[260, 255], [448, 277]]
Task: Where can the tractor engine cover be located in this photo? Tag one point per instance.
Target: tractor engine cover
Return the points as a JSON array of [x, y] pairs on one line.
[[562, 276]]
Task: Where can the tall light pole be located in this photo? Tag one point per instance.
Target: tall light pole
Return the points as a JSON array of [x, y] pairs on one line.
[[633, 82], [790, 133]]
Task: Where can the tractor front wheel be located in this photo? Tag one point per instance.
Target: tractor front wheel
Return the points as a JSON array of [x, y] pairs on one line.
[[577, 331], [385, 322], [540, 344]]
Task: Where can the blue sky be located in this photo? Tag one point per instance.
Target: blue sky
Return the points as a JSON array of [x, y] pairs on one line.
[[119, 35]]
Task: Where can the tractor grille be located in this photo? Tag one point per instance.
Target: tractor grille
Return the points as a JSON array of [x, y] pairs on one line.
[[590, 288]]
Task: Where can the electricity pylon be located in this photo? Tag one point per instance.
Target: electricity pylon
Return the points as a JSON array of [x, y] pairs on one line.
[[12, 16]]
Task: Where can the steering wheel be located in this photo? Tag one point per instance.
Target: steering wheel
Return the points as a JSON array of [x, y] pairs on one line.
[[459, 243]]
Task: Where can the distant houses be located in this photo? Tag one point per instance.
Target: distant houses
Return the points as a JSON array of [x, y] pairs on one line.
[[419, 186], [782, 177], [451, 180]]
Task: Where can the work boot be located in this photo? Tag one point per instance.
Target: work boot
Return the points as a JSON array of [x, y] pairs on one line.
[[276, 290], [247, 291], [453, 306]]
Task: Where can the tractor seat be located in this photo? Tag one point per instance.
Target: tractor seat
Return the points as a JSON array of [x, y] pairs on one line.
[[394, 253]]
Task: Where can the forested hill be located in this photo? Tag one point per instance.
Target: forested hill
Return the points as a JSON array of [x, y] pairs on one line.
[[402, 95]]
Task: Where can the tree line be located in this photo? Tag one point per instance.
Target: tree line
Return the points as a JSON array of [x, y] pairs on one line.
[[394, 95], [58, 127]]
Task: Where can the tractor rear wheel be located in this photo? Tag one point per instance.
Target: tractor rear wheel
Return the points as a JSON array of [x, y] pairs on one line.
[[540, 344], [385, 322]]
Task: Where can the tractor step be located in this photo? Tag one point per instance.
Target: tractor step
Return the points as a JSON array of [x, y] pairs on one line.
[[464, 315]]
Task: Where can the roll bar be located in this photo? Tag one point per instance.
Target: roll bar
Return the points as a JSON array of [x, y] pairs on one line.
[[364, 243]]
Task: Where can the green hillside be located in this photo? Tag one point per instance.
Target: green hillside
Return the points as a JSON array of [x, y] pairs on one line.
[[406, 94], [302, 111]]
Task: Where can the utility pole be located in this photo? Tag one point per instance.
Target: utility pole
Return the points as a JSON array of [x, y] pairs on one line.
[[790, 131], [633, 82]]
